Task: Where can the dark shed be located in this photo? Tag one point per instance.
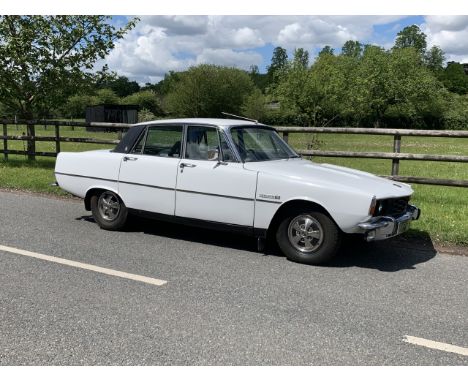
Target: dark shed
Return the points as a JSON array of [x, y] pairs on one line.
[[112, 113]]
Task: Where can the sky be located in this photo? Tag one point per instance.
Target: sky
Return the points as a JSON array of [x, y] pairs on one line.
[[159, 44]]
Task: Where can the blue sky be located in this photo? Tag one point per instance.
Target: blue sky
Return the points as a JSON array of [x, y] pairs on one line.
[[162, 43]]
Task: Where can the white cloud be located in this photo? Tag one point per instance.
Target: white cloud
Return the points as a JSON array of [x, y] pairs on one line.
[[450, 33], [228, 57], [179, 25], [162, 43]]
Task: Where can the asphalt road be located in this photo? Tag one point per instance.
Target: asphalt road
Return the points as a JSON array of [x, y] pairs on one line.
[[223, 303]]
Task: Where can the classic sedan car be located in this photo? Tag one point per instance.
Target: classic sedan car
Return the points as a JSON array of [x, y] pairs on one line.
[[236, 175]]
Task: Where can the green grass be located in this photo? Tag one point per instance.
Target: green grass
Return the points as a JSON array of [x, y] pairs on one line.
[[444, 209]]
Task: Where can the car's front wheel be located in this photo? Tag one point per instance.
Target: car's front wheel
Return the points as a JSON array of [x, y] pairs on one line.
[[308, 237], [108, 210]]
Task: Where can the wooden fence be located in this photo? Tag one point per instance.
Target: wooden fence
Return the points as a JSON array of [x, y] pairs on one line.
[[396, 156]]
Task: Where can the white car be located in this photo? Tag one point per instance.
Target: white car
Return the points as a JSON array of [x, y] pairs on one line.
[[236, 175]]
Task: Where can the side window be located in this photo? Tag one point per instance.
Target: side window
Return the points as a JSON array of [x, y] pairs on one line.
[[228, 155], [202, 143], [163, 141], [139, 146]]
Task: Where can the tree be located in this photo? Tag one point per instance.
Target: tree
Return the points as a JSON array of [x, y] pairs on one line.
[[456, 112], [76, 105], [254, 105], [411, 36], [259, 79], [455, 79], [395, 84], [106, 96], [327, 50], [145, 99], [279, 62], [301, 58], [121, 86], [45, 59], [208, 90], [163, 87], [352, 49], [434, 59]]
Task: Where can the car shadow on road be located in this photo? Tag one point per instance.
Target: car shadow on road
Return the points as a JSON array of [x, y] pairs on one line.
[[396, 254], [186, 233], [392, 255]]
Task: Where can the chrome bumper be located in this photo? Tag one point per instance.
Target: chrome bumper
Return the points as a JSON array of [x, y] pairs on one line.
[[384, 227]]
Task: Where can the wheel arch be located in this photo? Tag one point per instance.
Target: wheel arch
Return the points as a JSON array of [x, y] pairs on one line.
[[97, 190], [295, 205]]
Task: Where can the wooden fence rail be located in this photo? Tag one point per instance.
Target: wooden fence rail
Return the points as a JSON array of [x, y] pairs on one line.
[[31, 138]]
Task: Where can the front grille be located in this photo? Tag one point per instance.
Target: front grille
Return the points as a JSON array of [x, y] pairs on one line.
[[391, 207]]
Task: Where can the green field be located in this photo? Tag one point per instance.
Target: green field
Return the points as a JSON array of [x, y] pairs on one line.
[[444, 209]]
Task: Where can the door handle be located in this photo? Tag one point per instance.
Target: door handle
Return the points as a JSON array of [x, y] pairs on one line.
[[182, 165], [129, 158]]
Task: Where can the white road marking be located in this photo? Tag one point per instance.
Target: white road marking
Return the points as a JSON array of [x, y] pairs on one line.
[[88, 267], [436, 345]]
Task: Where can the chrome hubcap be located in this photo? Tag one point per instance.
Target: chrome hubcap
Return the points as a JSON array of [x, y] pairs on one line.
[[305, 233], [109, 206]]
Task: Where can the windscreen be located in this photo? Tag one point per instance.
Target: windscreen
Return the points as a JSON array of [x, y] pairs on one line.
[[256, 144]]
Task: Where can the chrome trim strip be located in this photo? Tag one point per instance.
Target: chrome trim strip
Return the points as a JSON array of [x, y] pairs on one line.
[[84, 176], [217, 195], [148, 185], [169, 189], [268, 201], [116, 181]]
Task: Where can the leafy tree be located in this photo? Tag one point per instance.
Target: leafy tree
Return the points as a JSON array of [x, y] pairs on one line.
[[279, 62], [315, 94], [434, 59], [395, 83], [260, 80], [254, 105], [3, 111], [379, 88], [411, 37], [456, 112], [45, 59], [301, 58], [352, 49], [76, 106], [145, 99], [144, 115], [164, 86], [455, 79], [121, 86], [327, 50], [207, 90], [106, 96]]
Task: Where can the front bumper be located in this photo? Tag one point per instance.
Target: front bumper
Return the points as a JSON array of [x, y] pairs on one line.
[[384, 227]]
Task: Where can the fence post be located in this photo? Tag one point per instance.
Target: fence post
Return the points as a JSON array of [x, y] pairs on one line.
[[57, 138], [5, 141], [285, 136], [119, 134], [396, 149], [31, 132]]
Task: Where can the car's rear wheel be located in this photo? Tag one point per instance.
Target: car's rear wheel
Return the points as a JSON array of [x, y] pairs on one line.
[[108, 210], [308, 237]]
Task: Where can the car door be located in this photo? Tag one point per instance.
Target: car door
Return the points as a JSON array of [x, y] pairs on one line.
[[210, 188], [147, 178]]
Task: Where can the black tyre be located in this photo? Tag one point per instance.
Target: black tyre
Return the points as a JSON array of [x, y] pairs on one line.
[[308, 237], [108, 210]]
